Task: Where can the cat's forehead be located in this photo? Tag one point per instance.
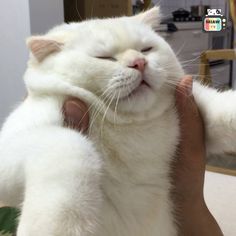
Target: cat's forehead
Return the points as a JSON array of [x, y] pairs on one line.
[[102, 31], [118, 30]]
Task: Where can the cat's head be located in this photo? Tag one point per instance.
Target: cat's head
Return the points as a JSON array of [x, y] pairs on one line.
[[121, 60]]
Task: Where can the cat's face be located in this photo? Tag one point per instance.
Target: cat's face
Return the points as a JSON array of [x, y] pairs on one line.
[[121, 60]]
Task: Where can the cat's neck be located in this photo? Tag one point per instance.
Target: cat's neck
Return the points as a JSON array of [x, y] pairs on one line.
[[149, 142]]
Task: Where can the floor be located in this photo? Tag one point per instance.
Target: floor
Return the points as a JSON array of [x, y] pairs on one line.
[[220, 192]]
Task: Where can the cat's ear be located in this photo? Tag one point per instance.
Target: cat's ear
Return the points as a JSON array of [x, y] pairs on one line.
[[150, 17], [41, 46]]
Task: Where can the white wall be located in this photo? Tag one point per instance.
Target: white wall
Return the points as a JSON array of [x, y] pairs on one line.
[[44, 14], [18, 20], [14, 28]]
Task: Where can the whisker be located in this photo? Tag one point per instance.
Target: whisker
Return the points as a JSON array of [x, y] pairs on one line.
[[99, 109], [77, 10], [116, 106], [93, 105], [181, 48], [92, 9], [103, 118]]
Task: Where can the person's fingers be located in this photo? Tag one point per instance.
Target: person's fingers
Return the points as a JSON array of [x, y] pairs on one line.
[[191, 125], [76, 114], [184, 99], [183, 90], [189, 165]]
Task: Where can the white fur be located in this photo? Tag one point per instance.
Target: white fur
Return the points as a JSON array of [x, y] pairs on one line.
[[116, 182]]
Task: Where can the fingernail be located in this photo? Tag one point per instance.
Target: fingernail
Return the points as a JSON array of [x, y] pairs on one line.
[[76, 116], [73, 112], [75, 108]]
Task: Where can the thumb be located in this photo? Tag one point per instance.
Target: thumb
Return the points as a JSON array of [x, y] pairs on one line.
[[76, 114]]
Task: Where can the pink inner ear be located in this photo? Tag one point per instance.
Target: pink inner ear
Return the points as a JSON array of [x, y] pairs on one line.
[[41, 48]]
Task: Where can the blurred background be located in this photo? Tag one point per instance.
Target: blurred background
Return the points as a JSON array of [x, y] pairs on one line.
[[18, 20]]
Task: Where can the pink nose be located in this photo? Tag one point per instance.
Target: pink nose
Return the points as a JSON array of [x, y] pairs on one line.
[[138, 64]]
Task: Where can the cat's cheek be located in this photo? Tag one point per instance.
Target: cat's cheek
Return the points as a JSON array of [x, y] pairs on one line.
[[155, 75], [156, 79]]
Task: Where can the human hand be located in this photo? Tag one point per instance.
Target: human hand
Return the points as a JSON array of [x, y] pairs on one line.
[[190, 165], [189, 168], [76, 114]]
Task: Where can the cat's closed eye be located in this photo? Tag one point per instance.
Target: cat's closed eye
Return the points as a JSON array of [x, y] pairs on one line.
[[147, 49], [106, 58]]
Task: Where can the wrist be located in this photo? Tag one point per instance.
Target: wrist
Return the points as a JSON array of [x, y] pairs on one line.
[[196, 219]]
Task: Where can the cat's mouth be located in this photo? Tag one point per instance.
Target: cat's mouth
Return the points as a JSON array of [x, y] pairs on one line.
[[143, 82], [141, 88]]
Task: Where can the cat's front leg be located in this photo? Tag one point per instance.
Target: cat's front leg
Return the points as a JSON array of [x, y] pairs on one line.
[[218, 110], [62, 195], [12, 180]]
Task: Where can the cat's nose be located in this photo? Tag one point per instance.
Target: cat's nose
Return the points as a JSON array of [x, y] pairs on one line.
[[138, 64]]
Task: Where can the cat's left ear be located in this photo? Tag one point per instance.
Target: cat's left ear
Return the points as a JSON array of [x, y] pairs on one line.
[[150, 17], [41, 46]]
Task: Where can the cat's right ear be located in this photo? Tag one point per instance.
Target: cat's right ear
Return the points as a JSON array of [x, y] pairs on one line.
[[41, 47], [151, 17]]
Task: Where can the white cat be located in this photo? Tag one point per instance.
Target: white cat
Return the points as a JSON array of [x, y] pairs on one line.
[[115, 182]]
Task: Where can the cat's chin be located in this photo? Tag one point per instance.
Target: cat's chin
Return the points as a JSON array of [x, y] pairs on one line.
[[140, 99]]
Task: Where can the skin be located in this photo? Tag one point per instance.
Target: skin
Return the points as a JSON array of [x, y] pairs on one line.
[[188, 169]]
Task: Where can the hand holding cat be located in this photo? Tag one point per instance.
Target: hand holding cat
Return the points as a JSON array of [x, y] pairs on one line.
[[188, 171], [76, 114], [189, 168]]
